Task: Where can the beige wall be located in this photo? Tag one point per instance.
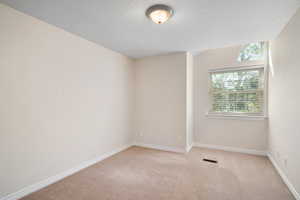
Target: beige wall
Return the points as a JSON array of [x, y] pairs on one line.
[[161, 100], [189, 100], [284, 97], [237, 133], [64, 100]]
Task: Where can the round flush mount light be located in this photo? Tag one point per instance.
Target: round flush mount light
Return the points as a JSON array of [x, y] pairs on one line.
[[159, 13]]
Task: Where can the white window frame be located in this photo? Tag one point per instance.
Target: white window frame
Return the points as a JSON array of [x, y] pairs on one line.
[[254, 116]]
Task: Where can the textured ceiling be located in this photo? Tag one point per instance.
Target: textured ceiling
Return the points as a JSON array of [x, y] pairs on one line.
[[121, 25]]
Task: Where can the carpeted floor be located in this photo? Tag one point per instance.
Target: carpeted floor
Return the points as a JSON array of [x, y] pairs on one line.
[[145, 174]]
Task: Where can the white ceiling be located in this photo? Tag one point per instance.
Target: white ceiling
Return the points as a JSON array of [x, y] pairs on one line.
[[121, 25]]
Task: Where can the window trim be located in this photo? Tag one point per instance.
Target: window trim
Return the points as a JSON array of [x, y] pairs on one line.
[[247, 116]]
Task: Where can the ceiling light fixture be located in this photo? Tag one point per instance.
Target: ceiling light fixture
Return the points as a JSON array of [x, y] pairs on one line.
[[159, 13]]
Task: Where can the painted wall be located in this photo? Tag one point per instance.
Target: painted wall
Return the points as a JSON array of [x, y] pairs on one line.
[[161, 100], [189, 100], [64, 100], [284, 98], [237, 133]]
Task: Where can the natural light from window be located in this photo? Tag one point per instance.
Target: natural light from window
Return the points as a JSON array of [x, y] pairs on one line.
[[253, 52], [239, 91]]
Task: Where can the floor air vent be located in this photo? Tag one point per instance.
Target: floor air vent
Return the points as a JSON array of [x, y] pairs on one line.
[[209, 160]]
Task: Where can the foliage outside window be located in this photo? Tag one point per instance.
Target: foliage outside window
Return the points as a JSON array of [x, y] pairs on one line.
[[252, 52], [237, 91]]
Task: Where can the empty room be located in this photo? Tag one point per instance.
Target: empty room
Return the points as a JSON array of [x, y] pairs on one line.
[[149, 100]]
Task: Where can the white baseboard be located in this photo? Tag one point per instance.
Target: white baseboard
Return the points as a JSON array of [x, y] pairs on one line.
[[284, 177], [37, 186], [232, 149], [161, 147], [188, 148]]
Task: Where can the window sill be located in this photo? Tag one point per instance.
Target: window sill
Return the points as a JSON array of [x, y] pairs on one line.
[[235, 117]]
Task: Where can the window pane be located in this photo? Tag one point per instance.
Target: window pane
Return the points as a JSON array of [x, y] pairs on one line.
[[238, 91], [238, 102], [237, 80], [252, 52]]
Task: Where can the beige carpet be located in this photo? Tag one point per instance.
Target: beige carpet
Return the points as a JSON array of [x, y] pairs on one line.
[[144, 174]]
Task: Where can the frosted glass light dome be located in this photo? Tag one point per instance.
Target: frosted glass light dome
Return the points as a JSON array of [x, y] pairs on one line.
[[159, 13]]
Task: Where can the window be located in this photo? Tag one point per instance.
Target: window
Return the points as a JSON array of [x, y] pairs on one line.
[[238, 91], [253, 51]]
